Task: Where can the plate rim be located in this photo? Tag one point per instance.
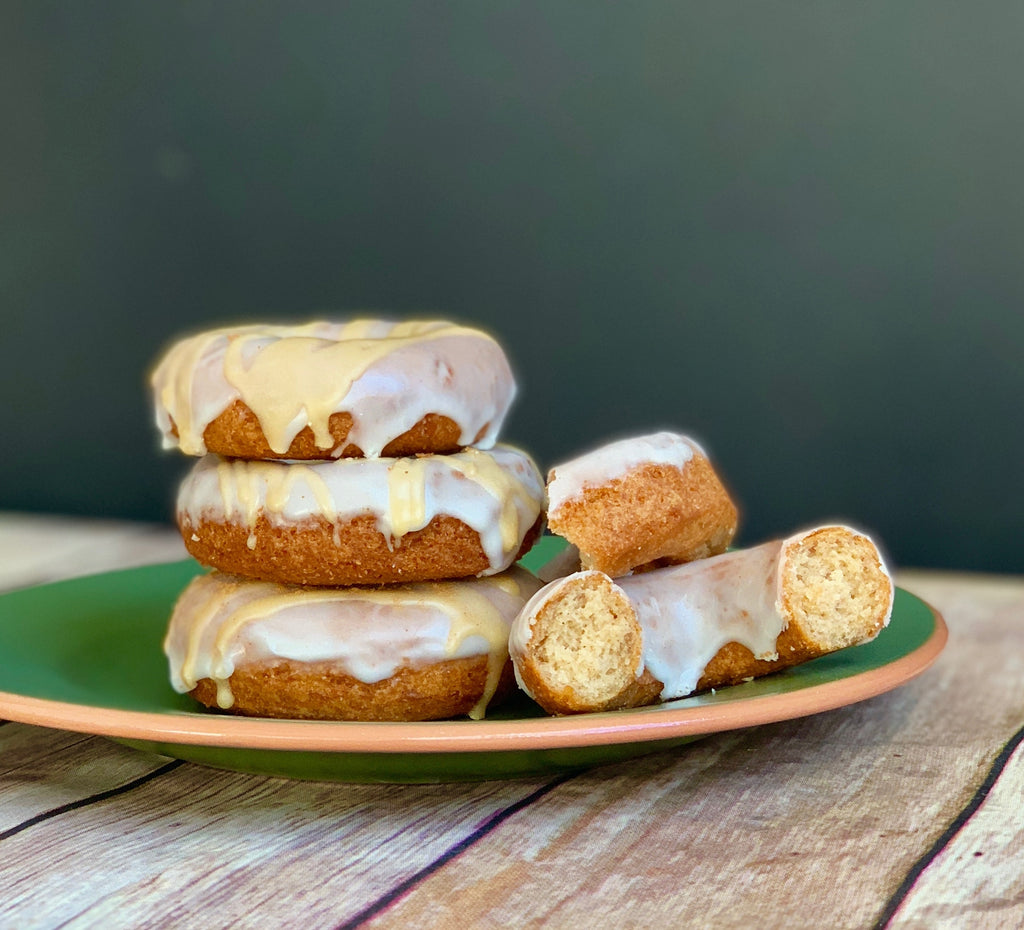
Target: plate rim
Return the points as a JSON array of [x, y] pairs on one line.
[[671, 720]]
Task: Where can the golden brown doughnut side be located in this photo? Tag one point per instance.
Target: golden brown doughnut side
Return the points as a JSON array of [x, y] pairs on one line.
[[237, 433], [355, 553], [319, 691], [654, 514], [734, 663], [564, 700]]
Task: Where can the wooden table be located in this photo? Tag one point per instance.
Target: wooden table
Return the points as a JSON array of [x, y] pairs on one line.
[[901, 811]]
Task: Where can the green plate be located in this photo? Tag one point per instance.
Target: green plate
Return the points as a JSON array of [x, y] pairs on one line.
[[85, 655]]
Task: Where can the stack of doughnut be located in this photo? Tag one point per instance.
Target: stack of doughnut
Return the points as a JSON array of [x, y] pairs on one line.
[[360, 519], [647, 605]]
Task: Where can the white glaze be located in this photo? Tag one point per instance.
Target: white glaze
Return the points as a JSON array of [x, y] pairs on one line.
[[387, 375], [222, 623], [688, 612], [498, 493], [611, 462]]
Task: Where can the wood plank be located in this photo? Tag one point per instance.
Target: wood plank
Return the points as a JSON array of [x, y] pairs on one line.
[[43, 769], [238, 848], [820, 819], [977, 878]]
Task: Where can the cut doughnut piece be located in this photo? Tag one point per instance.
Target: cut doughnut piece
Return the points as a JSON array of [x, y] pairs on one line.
[[578, 646], [706, 624], [639, 503]]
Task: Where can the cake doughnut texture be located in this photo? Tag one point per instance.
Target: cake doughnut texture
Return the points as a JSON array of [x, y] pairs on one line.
[[411, 652], [324, 390], [639, 503], [363, 521], [702, 625]]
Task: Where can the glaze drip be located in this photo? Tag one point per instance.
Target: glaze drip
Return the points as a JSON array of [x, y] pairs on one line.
[[222, 622], [292, 377], [499, 494]]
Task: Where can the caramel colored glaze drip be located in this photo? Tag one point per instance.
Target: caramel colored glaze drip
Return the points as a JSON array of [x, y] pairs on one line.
[[239, 489], [242, 485], [407, 498], [175, 393], [248, 489], [469, 612], [508, 583], [475, 614], [314, 363], [482, 470], [279, 492], [210, 611]]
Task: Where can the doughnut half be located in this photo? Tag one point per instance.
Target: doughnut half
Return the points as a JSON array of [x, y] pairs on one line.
[[324, 390], [363, 521], [586, 643], [639, 503], [411, 652]]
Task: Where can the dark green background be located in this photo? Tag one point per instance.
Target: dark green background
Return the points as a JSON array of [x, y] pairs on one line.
[[793, 230]]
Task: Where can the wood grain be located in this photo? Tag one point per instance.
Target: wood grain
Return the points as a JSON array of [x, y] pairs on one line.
[[976, 879], [245, 850], [43, 769]]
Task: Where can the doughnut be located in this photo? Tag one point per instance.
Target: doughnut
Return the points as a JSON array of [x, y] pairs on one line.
[[639, 503], [363, 521], [423, 651], [587, 643], [321, 390]]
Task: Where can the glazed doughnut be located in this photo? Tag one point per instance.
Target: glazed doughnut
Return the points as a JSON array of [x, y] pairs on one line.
[[363, 521], [409, 652], [586, 643], [639, 503], [324, 390]]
